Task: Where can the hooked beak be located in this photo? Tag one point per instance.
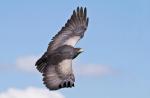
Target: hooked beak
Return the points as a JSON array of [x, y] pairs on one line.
[[81, 50]]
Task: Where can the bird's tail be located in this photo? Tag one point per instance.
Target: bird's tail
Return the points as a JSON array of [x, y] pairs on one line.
[[41, 63]]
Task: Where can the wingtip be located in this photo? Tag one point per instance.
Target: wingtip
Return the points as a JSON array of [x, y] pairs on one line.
[[78, 9], [82, 12], [81, 8], [85, 12], [87, 21], [85, 9]]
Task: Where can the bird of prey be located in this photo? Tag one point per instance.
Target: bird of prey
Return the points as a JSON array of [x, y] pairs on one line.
[[56, 63]]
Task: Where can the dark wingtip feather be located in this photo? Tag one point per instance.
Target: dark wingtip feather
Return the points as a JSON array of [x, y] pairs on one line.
[[74, 12], [85, 12], [78, 9], [87, 21], [81, 12]]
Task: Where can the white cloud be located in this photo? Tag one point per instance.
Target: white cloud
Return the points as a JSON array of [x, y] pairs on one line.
[[27, 63], [94, 70], [30, 92]]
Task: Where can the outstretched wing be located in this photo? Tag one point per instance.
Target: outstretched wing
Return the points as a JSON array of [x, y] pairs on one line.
[[59, 76], [72, 32]]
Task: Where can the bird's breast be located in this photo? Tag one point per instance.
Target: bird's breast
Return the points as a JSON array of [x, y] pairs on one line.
[[65, 66]]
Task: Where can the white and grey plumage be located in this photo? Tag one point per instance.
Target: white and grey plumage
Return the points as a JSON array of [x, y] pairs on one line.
[[56, 63]]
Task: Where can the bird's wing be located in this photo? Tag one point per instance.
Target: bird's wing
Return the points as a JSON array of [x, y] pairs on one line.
[[59, 76], [72, 32]]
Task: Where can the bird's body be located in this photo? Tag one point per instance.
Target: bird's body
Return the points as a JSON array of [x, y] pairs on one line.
[[56, 63]]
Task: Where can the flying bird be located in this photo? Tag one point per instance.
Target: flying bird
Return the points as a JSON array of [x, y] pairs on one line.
[[56, 63]]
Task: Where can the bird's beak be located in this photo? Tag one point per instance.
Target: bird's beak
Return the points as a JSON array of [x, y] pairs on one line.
[[81, 50]]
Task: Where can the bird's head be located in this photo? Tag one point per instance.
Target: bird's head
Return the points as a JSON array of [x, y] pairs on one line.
[[80, 50], [77, 52]]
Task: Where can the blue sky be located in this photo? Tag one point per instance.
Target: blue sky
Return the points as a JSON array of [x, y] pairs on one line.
[[118, 37]]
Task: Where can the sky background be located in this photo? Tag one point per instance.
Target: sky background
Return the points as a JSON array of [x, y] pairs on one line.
[[116, 61]]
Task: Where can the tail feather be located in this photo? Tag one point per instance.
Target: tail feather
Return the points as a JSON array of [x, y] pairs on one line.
[[41, 63]]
